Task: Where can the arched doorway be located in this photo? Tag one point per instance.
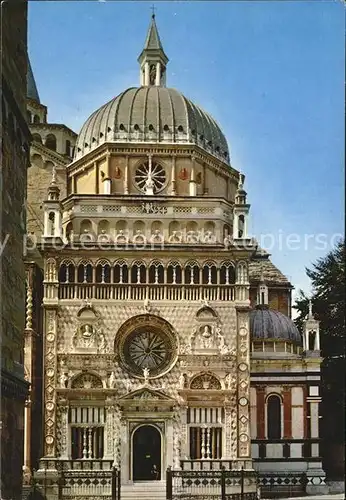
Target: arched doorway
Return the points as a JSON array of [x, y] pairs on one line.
[[146, 453]]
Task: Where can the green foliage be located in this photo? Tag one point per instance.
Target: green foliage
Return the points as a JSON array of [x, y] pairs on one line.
[[328, 304]]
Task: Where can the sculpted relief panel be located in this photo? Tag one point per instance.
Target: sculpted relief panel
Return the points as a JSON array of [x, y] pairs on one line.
[[243, 356]]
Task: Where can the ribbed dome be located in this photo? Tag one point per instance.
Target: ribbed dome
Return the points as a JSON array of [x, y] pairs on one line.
[[152, 114], [268, 324]]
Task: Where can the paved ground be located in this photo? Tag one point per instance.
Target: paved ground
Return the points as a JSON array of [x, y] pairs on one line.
[[338, 496]]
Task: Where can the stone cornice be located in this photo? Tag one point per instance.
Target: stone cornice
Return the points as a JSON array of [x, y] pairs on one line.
[[52, 126], [38, 148], [140, 149]]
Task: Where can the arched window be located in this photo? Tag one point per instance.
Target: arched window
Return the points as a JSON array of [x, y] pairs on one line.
[[85, 226], [103, 273], [85, 273], [51, 142], [37, 138], [227, 274], [242, 276], [138, 273], [121, 273], [209, 275], [192, 274], [274, 417], [241, 223], [36, 119], [51, 224], [67, 273], [103, 227], [156, 273], [174, 273], [68, 148]]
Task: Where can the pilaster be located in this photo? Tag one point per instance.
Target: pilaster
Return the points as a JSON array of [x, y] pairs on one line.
[[50, 381], [64, 429], [244, 440]]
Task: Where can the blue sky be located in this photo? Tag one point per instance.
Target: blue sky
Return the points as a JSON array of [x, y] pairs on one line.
[[271, 74]]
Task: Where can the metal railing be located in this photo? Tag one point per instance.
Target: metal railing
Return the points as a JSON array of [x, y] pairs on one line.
[[215, 464], [80, 478], [218, 484]]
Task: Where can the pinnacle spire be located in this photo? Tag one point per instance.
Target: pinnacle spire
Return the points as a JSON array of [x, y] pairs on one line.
[[31, 88], [53, 189], [153, 59], [310, 310], [153, 41]]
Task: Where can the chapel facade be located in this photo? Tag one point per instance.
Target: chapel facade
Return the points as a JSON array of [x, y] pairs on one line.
[[166, 331]]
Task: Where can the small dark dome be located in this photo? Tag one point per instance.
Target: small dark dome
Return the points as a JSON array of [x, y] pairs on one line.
[[268, 324]]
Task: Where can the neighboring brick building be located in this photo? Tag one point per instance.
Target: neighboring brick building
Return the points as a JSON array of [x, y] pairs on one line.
[[51, 148], [15, 145]]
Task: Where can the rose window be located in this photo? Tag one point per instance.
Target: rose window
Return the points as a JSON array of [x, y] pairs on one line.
[[148, 346], [149, 176]]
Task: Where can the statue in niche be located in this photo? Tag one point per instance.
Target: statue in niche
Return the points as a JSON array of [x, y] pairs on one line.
[[206, 340], [157, 236], [176, 237], [63, 380], [311, 340], [87, 331], [112, 380], [120, 236], [147, 305], [182, 381], [152, 74], [222, 345], [146, 373], [205, 303], [230, 381], [102, 342], [149, 185]]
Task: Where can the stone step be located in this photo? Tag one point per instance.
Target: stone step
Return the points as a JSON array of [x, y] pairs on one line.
[[144, 490]]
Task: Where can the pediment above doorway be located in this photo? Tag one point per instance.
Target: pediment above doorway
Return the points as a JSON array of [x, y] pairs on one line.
[[147, 399], [147, 394]]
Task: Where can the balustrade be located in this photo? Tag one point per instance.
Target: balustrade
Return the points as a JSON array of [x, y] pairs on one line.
[[87, 442], [140, 292]]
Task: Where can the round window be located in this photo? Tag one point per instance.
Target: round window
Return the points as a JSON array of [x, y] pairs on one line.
[[150, 346], [150, 176]]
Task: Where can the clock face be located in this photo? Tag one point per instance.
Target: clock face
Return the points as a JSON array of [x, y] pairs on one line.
[[147, 348], [153, 174]]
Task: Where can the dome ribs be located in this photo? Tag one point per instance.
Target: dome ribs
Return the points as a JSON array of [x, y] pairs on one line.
[[102, 124], [191, 120], [151, 108], [119, 101], [158, 113], [146, 119], [172, 113], [130, 121]]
